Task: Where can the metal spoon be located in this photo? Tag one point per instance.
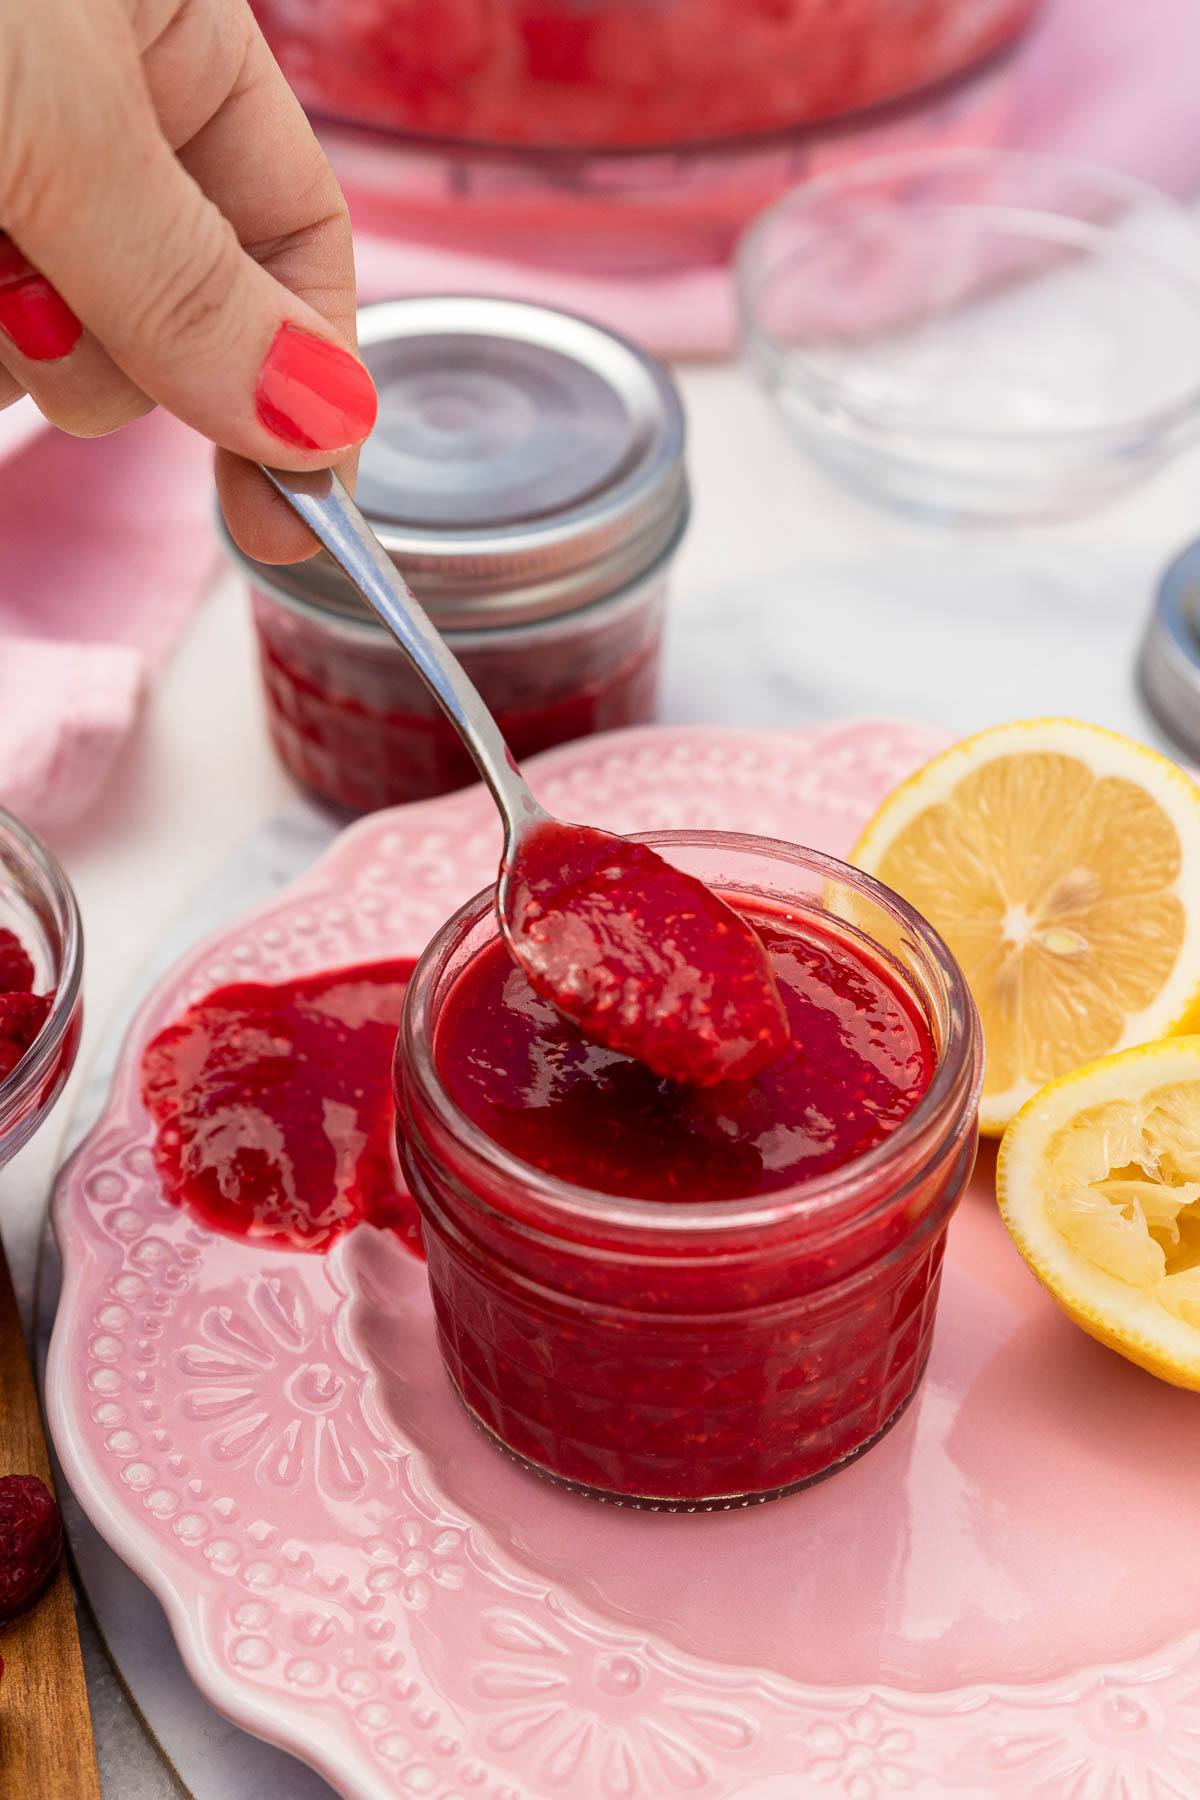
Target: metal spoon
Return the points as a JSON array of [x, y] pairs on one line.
[[332, 517], [641, 956]]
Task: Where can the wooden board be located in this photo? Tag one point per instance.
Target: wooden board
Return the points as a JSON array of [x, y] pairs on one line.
[[46, 1747]]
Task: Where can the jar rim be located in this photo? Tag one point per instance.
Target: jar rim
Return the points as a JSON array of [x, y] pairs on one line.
[[482, 630], [952, 1093], [531, 550]]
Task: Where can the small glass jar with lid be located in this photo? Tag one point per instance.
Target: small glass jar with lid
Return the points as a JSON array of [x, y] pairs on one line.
[[526, 474]]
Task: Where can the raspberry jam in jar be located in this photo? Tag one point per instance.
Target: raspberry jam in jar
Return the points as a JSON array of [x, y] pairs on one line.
[[682, 1297], [526, 474]]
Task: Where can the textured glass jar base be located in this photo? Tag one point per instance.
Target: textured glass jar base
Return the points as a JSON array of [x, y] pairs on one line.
[[714, 1503], [618, 1407]]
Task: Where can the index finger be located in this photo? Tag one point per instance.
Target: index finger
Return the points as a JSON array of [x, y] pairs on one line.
[[243, 137], [197, 284], [286, 208]]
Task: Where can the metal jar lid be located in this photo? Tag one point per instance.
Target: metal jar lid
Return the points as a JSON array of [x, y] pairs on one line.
[[1169, 664], [524, 463]]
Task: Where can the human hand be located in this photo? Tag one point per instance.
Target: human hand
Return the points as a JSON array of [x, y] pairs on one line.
[[174, 235]]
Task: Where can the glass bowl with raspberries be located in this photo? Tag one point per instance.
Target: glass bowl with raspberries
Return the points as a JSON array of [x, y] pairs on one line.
[[41, 968], [622, 74]]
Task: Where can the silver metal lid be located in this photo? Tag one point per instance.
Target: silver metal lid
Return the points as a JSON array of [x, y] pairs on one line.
[[524, 462], [1169, 663]]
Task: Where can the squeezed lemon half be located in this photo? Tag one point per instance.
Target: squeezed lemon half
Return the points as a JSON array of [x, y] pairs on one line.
[[1098, 1180], [1061, 863]]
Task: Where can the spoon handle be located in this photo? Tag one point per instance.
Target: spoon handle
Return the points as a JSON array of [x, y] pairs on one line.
[[331, 515]]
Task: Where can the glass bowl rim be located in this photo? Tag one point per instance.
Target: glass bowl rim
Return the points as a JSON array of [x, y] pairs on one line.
[[953, 1092], [51, 878], [949, 158]]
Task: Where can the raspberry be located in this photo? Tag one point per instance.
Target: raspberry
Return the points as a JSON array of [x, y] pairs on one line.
[[16, 965], [22, 1017], [30, 1540]]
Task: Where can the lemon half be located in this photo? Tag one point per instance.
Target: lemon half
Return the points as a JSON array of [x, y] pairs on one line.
[[1098, 1180], [1061, 863]]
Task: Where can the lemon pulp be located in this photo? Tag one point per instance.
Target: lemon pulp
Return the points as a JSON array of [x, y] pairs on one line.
[[1123, 1190], [1098, 1181], [1054, 858]]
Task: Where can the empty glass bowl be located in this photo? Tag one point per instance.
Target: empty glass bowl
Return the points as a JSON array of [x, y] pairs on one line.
[[36, 901], [978, 334]]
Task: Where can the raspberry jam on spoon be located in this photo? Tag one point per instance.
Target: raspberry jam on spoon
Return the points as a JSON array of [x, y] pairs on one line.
[[644, 959]]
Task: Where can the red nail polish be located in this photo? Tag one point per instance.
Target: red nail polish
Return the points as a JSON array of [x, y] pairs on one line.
[[312, 394], [32, 313]]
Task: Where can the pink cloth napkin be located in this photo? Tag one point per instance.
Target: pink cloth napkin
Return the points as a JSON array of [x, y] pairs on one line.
[[105, 547]]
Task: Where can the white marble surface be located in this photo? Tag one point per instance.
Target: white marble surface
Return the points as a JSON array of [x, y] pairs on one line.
[[794, 603]]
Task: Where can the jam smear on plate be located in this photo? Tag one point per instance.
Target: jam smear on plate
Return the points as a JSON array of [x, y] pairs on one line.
[[642, 957], [859, 1057], [273, 1108]]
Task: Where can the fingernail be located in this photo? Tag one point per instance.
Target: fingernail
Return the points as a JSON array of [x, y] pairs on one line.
[[33, 314], [312, 394]]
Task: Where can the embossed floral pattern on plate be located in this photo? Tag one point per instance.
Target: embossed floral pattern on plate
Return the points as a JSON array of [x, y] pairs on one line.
[[227, 1426]]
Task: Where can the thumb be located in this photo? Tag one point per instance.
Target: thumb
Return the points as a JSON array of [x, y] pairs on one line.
[[155, 271]]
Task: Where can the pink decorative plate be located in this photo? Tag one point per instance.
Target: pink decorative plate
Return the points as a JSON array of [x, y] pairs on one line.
[[997, 1601]]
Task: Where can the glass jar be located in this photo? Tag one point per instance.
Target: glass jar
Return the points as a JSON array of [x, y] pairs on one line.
[[695, 1354], [352, 721], [622, 74], [526, 474], [38, 904]]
